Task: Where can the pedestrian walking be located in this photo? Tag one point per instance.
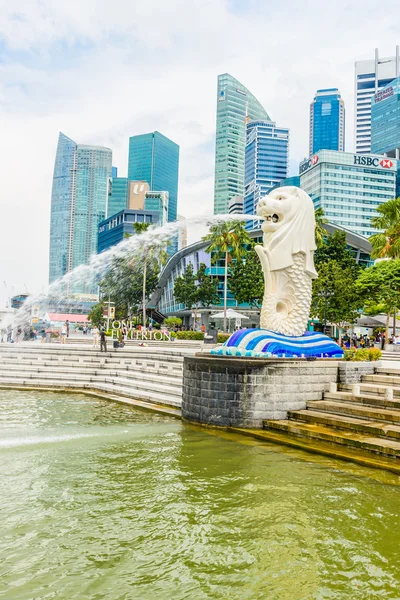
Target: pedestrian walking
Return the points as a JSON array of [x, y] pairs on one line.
[[103, 340], [43, 336], [96, 336], [18, 335], [63, 334], [67, 326]]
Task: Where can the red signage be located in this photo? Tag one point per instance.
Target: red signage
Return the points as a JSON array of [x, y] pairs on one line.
[[314, 159], [386, 163]]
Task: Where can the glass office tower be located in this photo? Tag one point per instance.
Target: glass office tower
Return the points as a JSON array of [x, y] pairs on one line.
[[349, 187], [155, 158], [266, 161], [327, 121], [118, 195], [370, 77], [78, 204], [235, 106], [385, 120]]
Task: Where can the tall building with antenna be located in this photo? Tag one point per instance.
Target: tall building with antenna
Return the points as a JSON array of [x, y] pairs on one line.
[[235, 107], [369, 78]]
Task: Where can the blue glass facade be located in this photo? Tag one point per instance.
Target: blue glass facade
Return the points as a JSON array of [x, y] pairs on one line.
[[78, 204], [155, 158], [235, 106], [288, 182], [327, 121], [114, 172], [385, 120], [118, 195], [266, 161], [112, 231]]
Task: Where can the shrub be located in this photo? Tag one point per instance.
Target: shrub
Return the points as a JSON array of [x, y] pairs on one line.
[[172, 322], [223, 337], [188, 335], [362, 354]]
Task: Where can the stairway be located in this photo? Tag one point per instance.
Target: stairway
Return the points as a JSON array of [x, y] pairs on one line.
[[137, 373], [366, 419]]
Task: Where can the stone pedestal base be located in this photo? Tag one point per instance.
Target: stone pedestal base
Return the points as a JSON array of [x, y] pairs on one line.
[[242, 392]]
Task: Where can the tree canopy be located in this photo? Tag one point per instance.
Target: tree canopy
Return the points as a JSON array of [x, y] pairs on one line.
[[246, 279], [387, 243]]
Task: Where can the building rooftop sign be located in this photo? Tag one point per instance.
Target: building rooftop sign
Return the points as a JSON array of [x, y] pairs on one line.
[[383, 94]]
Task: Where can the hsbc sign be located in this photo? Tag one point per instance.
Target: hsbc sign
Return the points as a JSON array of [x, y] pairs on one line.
[[309, 163], [369, 161]]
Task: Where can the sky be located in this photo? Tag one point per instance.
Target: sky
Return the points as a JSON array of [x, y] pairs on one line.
[[102, 71]]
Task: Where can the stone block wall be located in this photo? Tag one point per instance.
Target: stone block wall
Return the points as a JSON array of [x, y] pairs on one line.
[[242, 392], [351, 372]]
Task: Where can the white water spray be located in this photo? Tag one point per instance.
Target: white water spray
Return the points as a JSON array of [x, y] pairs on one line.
[[134, 248]]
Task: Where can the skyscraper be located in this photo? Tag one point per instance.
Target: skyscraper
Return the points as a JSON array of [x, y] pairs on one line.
[[370, 77], [235, 106], [155, 158], [78, 204], [327, 121], [266, 161], [385, 120]]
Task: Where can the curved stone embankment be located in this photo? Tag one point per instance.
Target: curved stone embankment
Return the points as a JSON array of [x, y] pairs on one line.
[[148, 375]]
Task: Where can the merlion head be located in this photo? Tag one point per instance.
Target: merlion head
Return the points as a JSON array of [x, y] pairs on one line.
[[289, 227]]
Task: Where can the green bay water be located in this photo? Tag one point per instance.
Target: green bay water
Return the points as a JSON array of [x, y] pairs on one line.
[[102, 501]]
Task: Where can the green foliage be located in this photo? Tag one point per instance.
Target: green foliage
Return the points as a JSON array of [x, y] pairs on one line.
[[246, 279], [347, 299], [362, 354], [188, 335], [227, 239], [172, 322], [381, 283], [192, 289], [96, 314], [387, 243], [320, 231], [334, 247], [223, 337], [207, 287]]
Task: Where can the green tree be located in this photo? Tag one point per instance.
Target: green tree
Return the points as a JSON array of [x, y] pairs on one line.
[[320, 231], [96, 314], [345, 300], [381, 285], [246, 279], [227, 241], [387, 243], [172, 322], [195, 289], [334, 247]]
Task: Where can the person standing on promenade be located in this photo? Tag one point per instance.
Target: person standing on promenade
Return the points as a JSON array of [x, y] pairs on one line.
[[96, 337], [63, 334], [103, 340], [67, 326]]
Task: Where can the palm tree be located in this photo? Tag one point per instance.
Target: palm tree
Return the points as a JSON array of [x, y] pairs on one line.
[[320, 221], [387, 243], [227, 240]]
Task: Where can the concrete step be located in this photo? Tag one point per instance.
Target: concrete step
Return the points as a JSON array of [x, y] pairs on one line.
[[388, 371], [381, 379], [370, 389], [355, 410], [374, 428], [324, 433], [130, 373], [364, 399], [65, 379], [48, 384]]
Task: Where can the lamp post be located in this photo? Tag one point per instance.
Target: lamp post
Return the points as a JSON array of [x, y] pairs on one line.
[[325, 294]]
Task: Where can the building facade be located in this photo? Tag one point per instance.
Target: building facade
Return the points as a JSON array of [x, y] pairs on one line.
[[117, 195], [327, 121], [155, 158], [78, 204], [236, 205], [164, 301], [288, 182], [235, 106], [370, 77], [266, 161], [349, 187], [114, 229], [385, 120]]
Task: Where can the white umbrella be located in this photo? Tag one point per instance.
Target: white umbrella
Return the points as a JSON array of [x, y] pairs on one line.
[[230, 314]]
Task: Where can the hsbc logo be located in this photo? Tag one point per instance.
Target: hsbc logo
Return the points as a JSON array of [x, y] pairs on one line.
[[386, 164], [309, 163]]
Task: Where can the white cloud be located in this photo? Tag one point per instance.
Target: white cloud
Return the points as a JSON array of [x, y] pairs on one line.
[[101, 72]]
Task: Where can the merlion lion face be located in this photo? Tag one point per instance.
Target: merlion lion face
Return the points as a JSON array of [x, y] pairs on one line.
[[278, 209]]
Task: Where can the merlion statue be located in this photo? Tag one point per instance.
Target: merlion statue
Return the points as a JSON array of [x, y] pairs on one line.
[[287, 259]]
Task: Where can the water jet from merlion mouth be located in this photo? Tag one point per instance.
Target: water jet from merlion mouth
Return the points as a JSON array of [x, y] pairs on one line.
[[133, 248]]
